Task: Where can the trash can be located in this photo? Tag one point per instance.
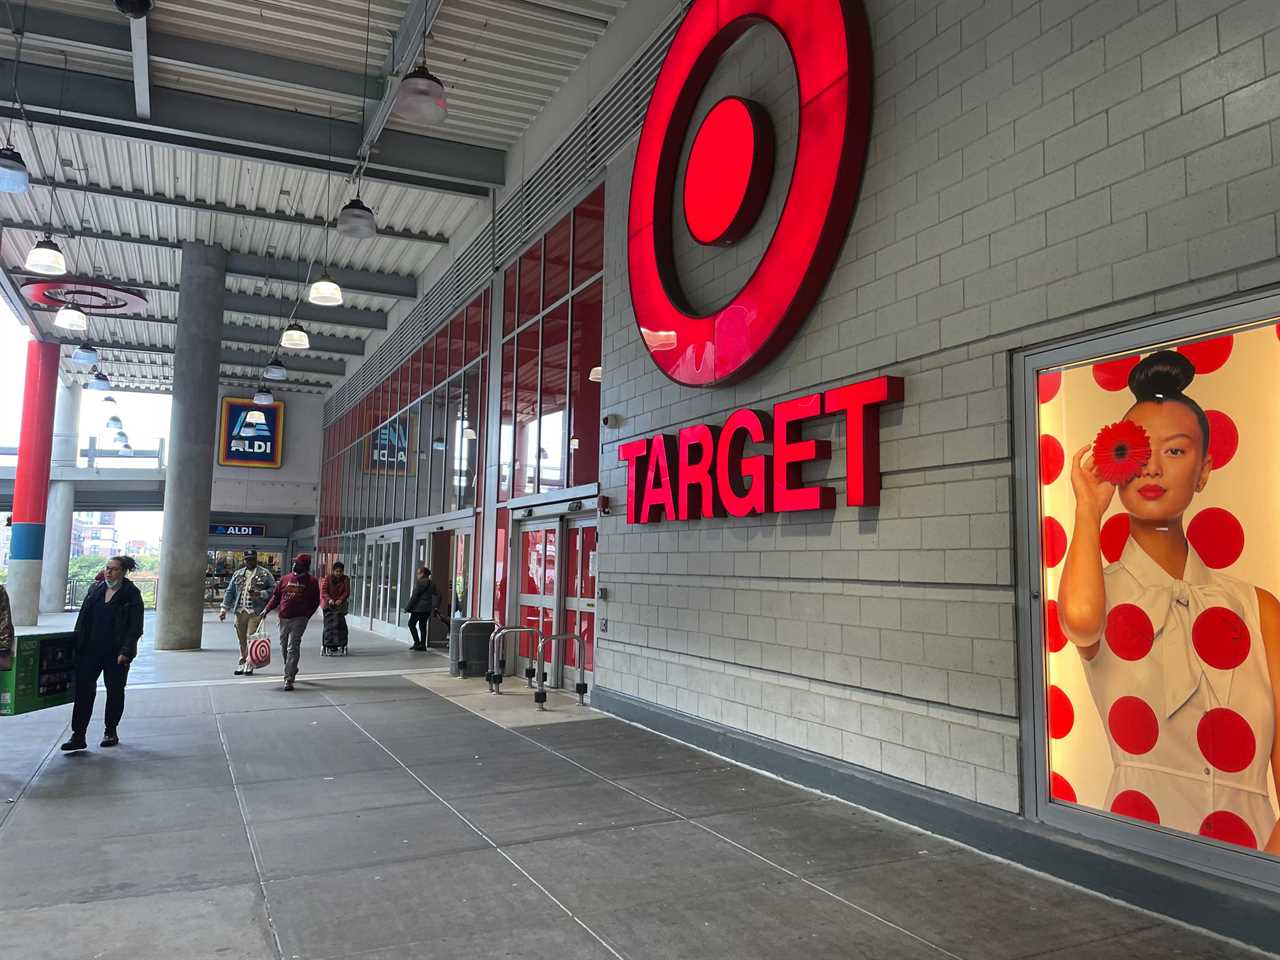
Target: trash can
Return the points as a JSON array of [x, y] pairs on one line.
[[42, 675], [469, 647]]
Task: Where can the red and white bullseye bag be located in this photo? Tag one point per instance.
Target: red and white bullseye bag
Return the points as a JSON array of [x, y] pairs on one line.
[[259, 651]]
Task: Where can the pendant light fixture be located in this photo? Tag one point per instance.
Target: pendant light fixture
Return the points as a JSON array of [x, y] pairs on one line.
[[111, 400], [126, 450], [46, 258], [356, 220], [114, 423], [100, 381], [469, 433], [85, 355], [263, 397], [421, 97], [121, 437], [14, 177], [295, 338], [596, 374], [275, 369], [71, 318], [325, 292]]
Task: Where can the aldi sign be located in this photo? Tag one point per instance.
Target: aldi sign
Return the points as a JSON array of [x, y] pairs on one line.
[[251, 435], [257, 530]]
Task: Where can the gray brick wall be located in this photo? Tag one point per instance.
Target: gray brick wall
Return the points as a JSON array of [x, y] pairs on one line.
[[1037, 169]]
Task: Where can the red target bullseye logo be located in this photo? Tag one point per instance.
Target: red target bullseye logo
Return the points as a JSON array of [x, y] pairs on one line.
[[728, 177]]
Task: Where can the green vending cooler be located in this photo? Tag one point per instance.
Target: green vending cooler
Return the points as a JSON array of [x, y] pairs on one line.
[[43, 673]]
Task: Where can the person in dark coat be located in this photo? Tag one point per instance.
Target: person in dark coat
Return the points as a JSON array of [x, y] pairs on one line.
[[423, 602], [298, 597], [107, 632]]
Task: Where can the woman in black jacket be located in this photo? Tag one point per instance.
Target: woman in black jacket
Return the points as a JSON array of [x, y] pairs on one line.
[[422, 604], [107, 633]]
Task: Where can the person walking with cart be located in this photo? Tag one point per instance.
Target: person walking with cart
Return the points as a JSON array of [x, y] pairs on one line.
[[335, 593], [107, 632], [423, 602], [297, 595], [246, 595]]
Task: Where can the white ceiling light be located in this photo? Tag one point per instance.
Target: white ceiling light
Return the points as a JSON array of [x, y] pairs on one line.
[[14, 177], [126, 450], [263, 397], [46, 258], [110, 399], [325, 293], [355, 220], [100, 381], [274, 370], [71, 318], [85, 355], [121, 437], [421, 97], [295, 338], [114, 423], [596, 375], [469, 433]]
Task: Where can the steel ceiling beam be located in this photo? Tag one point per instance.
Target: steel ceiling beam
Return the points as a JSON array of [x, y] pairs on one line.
[[230, 357], [406, 47], [253, 267], [69, 29], [272, 307], [141, 67], [200, 206], [267, 336], [104, 105]]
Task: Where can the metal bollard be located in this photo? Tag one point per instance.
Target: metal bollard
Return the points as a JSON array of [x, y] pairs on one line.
[[540, 695], [581, 687], [498, 662]]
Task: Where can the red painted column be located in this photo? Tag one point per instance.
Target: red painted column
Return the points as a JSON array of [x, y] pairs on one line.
[[31, 483]]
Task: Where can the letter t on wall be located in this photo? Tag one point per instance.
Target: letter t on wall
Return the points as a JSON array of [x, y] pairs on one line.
[[861, 404]]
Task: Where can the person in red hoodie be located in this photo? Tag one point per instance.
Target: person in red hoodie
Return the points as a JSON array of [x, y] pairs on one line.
[[297, 595]]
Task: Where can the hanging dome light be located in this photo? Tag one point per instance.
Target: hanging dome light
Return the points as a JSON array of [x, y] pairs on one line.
[[263, 397], [114, 423], [121, 437], [110, 399], [437, 443], [126, 450], [100, 381], [274, 370], [325, 292], [355, 220], [469, 433], [295, 338], [421, 97], [85, 355], [596, 374], [46, 258], [71, 318], [14, 177]]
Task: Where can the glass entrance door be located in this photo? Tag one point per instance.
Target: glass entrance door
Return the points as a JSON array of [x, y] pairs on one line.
[[580, 593], [537, 563], [385, 575]]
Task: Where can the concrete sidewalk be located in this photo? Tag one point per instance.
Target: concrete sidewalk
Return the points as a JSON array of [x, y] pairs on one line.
[[371, 818]]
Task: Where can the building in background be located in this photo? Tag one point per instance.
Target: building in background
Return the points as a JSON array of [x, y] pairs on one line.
[[99, 537]]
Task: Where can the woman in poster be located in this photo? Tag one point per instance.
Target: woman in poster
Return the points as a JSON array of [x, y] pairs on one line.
[[1182, 662]]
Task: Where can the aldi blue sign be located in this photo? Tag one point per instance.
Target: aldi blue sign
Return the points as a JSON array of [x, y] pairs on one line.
[[251, 435], [257, 530]]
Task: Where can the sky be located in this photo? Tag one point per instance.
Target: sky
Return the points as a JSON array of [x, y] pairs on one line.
[[145, 418]]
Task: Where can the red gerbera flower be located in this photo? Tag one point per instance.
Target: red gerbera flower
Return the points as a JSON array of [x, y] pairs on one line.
[[1120, 451]]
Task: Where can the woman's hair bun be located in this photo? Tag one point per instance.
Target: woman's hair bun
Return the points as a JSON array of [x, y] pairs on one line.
[[127, 564], [1165, 373]]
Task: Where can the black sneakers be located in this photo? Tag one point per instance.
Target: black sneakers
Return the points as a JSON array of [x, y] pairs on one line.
[[109, 739], [75, 743]]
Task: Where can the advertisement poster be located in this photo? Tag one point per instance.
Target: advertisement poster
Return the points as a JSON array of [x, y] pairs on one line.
[[389, 450], [1160, 527], [251, 435]]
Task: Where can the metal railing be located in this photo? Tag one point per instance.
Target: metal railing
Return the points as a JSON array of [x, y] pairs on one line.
[[497, 657], [77, 590]]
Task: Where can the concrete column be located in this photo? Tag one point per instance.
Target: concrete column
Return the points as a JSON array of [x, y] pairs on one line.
[[62, 500], [31, 482], [192, 436]]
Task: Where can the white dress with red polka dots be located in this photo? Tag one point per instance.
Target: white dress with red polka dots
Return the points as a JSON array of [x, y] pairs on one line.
[[1181, 683]]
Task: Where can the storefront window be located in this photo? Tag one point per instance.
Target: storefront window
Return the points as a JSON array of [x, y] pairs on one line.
[[1160, 568], [553, 416], [588, 238], [530, 295], [525, 466], [555, 276], [584, 386], [507, 421], [509, 301], [500, 555]]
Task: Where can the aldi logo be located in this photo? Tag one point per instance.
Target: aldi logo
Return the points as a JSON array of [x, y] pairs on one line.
[[250, 435]]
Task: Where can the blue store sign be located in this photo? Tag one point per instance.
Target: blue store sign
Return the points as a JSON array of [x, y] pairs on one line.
[[250, 435], [257, 530]]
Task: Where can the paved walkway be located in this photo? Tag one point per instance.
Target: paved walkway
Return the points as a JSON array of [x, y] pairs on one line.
[[414, 816]]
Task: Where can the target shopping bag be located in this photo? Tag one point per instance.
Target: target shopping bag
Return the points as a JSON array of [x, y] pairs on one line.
[[259, 651]]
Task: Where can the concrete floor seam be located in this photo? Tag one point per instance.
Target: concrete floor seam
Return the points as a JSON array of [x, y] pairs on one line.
[[679, 816], [253, 843], [484, 836]]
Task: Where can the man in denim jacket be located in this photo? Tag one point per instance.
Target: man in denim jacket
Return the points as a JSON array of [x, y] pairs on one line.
[[247, 596]]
